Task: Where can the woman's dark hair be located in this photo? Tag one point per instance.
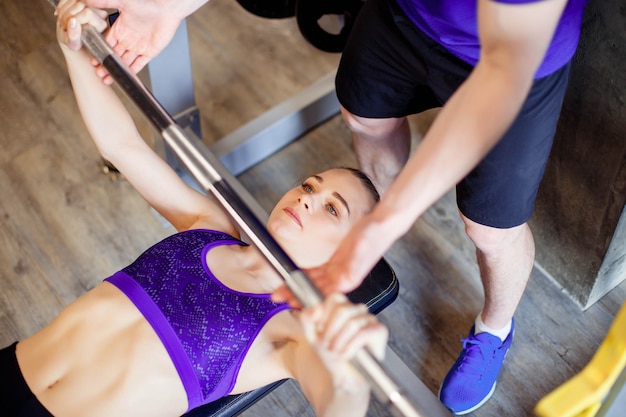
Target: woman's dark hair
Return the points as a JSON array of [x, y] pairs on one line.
[[366, 181]]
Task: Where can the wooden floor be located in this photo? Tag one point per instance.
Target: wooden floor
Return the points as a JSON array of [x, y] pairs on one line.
[[65, 225]]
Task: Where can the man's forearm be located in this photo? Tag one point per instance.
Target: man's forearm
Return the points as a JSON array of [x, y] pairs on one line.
[[185, 8], [466, 129], [514, 40]]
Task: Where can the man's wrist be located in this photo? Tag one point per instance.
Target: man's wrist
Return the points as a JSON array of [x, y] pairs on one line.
[[187, 7]]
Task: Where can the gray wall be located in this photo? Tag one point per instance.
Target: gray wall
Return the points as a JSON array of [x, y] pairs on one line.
[[581, 199]]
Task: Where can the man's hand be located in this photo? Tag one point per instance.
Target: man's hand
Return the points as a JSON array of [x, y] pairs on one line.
[[321, 279], [357, 255], [143, 29]]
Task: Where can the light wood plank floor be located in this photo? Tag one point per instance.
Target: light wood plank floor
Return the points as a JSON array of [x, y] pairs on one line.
[[65, 225]]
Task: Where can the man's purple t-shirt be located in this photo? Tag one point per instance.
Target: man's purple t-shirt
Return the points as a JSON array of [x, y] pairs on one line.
[[452, 23]]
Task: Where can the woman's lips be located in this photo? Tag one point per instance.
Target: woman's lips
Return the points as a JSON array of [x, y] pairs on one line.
[[292, 213]]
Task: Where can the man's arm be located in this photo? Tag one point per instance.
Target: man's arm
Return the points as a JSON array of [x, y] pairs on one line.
[[143, 29], [514, 40]]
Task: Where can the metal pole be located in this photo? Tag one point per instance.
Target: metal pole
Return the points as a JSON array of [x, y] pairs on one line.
[[205, 168]]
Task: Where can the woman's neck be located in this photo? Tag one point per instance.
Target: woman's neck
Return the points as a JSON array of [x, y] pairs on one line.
[[257, 266], [243, 269]]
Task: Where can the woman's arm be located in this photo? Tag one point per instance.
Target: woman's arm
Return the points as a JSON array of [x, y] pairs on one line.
[[335, 330], [118, 140]]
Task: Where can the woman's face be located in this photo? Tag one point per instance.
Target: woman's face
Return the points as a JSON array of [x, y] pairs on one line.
[[310, 220]]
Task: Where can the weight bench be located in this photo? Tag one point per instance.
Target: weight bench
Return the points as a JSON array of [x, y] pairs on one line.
[[377, 291]]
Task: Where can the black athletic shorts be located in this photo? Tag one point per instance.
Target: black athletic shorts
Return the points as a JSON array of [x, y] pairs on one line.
[[16, 399], [389, 68]]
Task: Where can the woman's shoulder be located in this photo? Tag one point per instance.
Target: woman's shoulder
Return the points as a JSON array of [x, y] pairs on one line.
[[209, 233], [211, 223]]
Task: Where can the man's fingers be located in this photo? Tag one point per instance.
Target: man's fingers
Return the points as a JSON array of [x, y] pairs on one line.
[[320, 280], [283, 295], [119, 49], [102, 72], [128, 58], [108, 80], [279, 296], [328, 283], [139, 63]]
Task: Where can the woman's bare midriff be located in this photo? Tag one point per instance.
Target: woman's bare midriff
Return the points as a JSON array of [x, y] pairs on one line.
[[102, 334]]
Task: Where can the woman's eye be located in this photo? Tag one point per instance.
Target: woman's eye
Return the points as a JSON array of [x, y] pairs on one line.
[[331, 209], [307, 188]]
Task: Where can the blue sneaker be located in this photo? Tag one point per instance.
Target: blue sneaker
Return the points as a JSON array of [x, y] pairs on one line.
[[472, 379]]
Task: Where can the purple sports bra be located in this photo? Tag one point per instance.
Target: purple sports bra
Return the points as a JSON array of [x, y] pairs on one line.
[[206, 327]]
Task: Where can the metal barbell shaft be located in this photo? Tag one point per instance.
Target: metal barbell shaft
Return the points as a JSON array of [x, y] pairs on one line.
[[206, 168]]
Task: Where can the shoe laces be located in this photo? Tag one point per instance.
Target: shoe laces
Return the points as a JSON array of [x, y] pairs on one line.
[[479, 352]]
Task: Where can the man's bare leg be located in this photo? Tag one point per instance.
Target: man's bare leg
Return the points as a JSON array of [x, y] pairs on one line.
[[382, 146], [505, 259]]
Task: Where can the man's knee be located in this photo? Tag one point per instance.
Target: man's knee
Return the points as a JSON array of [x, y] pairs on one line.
[[491, 239], [378, 128]]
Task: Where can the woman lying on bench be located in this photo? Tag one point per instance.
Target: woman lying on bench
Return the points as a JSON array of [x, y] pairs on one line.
[[191, 320]]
